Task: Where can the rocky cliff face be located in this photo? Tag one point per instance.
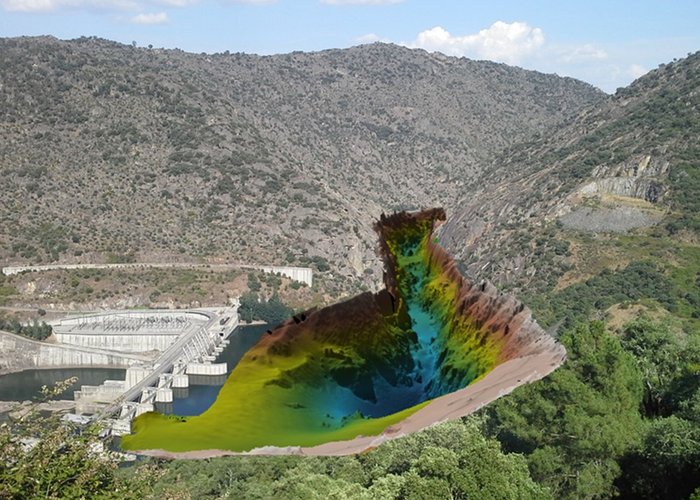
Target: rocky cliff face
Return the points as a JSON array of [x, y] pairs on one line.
[[644, 178]]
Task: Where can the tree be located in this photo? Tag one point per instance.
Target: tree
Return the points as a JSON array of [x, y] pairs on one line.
[[44, 457], [444, 459], [272, 311], [253, 283], [248, 309], [451, 460], [574, 425], [668, 363], [667, 465], [277, 311], [35, 330]]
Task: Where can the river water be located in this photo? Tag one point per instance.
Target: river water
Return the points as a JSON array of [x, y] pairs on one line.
[[26, 385]]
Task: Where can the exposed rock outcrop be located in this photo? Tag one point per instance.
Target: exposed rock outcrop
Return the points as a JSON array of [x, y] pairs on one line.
[[641, 178]]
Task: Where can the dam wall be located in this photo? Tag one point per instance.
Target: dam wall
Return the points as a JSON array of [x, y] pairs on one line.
[[129, 343], [18, 353], [129, 331], [300, 274]]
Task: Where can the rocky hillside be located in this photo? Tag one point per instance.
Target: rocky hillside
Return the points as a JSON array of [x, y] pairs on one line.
[[617, 187], [113, 153]]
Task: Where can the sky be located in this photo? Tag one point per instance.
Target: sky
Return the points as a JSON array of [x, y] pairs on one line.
[[606, 43]]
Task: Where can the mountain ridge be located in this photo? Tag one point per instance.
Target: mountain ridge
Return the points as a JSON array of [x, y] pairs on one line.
[[147, 153]]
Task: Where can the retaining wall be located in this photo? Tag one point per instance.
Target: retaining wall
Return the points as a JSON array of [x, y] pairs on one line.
[[18, 353]]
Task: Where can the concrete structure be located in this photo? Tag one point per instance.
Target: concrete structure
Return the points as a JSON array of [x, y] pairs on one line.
[[129, 331], [20, 353], [301, 274], [209, 369], [190, 341], [200, 336], [181, 381]]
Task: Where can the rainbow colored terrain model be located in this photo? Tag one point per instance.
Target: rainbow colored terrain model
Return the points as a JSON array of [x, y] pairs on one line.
[[428, 347]]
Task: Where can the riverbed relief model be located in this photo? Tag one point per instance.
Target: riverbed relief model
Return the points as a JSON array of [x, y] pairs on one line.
[[429, 347]]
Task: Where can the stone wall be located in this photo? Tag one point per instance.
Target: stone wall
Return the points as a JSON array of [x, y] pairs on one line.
[[19, 353], [301, 274]]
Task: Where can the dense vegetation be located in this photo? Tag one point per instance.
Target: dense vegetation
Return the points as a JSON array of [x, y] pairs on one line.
[[454, 460], [619, 418], [271, 311], [685, 181], [577, 302]]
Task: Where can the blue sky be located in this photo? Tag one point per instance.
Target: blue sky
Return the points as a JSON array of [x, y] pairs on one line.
[[607, 43]]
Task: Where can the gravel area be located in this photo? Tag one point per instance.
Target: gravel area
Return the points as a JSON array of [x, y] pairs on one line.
[[609, 220]]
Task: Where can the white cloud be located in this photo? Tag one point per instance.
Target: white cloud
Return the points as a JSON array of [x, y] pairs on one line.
[[154, 18], [30, 5], [368, 38], [53, 5], [39, 6], [371, 38], [637, 70], [583, 53], [360, 2], [504, 42]]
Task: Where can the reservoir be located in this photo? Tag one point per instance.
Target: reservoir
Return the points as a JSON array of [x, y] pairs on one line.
[[26, 385]]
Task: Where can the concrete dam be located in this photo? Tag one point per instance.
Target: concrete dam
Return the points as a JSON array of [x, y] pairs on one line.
[[128, 331], [19, 353], [160, 349]]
